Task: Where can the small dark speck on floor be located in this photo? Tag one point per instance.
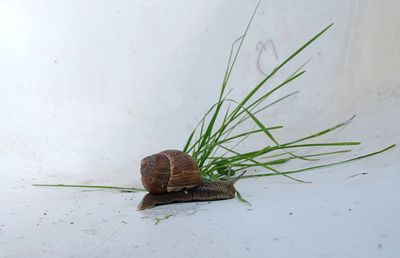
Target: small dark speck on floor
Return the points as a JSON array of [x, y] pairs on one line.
[[247, 248], [276, 239], [290, 213], [124, 222], [349, 209], [379, 246], [71, 222]]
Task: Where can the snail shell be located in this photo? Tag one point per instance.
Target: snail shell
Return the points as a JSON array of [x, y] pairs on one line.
[[173, 176], [168, 171]]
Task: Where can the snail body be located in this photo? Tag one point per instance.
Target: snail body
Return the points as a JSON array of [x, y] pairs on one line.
[[173, 176]]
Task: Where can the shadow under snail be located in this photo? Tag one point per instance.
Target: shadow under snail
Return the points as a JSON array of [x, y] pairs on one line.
[[173, 176]]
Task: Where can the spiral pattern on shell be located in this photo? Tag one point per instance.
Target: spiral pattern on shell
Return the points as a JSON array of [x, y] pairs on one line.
[[169, 170]]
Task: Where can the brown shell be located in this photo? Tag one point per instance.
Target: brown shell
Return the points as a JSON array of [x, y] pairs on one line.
[[170, 170]]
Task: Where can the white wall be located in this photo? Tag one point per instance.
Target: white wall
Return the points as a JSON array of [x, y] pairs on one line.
[[89, 88]]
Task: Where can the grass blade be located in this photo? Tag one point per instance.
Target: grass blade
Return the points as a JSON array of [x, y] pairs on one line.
[[325, 165], [93, 186]]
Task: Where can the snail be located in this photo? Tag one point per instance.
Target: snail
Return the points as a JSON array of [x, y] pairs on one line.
[[173, 176]]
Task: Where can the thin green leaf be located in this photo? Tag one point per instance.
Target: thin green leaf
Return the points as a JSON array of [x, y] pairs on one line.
[[240, 198], [93, 186], [325, 165]]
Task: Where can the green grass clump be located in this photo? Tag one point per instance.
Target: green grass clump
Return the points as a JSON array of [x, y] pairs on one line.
[[213, 143]]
